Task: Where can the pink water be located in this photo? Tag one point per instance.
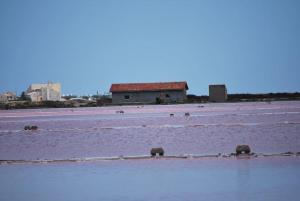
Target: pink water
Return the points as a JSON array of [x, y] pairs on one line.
[[89, 132]]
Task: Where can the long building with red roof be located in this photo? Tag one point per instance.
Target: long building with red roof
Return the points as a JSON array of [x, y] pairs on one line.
[[143, 93]]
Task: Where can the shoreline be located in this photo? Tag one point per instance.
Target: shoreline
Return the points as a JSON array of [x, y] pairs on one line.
[[148, 157], [14, 105]]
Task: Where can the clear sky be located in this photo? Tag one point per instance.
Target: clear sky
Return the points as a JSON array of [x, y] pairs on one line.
[[250, 45]]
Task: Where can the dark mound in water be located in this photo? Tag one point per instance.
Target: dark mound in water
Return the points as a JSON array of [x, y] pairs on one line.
[[242, 149], [155, 151]]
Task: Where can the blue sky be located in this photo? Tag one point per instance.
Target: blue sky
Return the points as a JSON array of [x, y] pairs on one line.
[[251, 46]]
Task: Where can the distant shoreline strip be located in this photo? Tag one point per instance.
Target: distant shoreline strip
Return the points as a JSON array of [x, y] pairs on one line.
[[147, 157]]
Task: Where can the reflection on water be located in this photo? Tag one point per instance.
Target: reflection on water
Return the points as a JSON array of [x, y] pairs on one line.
[[273, 179], [243, 179]]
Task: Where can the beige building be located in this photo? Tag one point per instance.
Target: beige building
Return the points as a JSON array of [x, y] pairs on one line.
[[44, 92], [8, 96], [217, 93]]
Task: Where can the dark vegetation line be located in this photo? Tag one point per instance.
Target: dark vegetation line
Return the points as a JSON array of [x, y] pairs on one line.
[[248, 97], [106, 101]]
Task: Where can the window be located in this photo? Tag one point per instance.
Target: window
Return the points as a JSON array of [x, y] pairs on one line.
[[126, 97], [167, 96]]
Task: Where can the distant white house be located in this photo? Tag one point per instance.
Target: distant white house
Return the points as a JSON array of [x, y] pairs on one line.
[[44, 92], [8, 96]]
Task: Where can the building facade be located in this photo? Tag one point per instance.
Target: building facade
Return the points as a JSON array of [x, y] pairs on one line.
[[217, 93], [148, 93], [44, 92], [8, 96]]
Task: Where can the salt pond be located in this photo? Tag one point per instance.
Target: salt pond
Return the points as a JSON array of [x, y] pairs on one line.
[[92, 132], [95, 132]]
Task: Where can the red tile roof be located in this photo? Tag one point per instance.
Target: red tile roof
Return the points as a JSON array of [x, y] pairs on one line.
[[158, 86]]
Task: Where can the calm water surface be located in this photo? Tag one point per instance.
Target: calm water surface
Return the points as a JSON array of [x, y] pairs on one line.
[[273, 179]]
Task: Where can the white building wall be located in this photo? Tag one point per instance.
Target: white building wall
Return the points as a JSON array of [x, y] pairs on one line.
[[44, 92]]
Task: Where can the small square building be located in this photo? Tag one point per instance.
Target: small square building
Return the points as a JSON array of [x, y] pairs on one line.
[[217, 93]]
